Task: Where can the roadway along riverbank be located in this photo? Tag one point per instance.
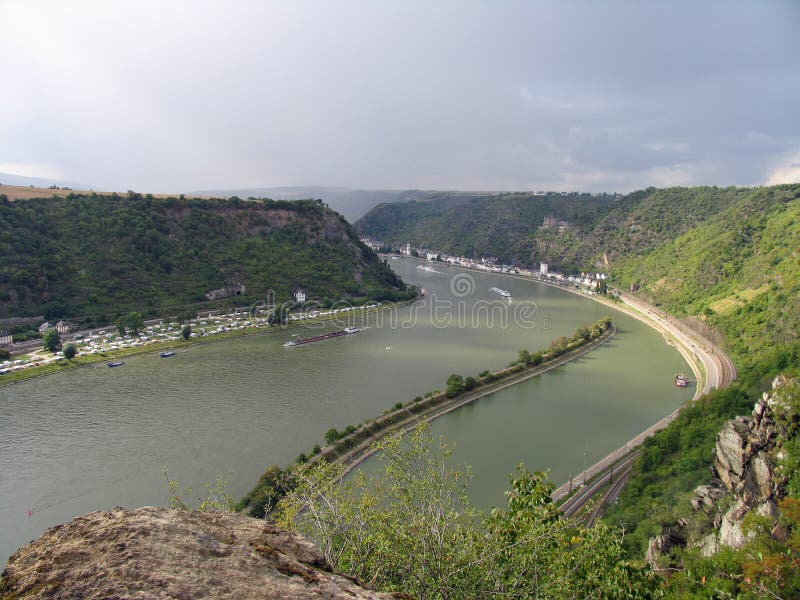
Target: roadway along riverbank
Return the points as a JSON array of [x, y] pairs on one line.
[[718, 369], [712, 368], [364, 449]]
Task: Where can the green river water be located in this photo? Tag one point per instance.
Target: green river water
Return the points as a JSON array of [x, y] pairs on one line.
[[95, 438]]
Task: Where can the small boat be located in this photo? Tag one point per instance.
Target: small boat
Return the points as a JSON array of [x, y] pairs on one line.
[[116, 363], [426, 268], [681, 381], [503, 293], [167, 353]]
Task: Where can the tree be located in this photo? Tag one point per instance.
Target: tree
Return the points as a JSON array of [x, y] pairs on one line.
[[581, 333], [4, 354], [455, 385], [279, 315], [470, 383], [70, 351], [51, 340], [412, 529], [524, 357], [186, 332], [131, 323], [331, 435]]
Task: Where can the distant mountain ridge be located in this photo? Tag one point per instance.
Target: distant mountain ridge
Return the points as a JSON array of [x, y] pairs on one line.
[[12, 179], [350, 203], [478, 224]]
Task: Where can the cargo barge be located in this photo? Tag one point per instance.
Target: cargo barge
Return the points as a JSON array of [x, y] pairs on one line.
[[325, 336]]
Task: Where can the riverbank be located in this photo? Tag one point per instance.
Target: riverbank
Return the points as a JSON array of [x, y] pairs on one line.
[[365, 449], [710, 365], [89, 360], [356, 444], [712, 368]]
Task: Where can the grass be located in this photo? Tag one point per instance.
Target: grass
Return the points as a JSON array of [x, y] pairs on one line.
[[737, 299], [24, 192]]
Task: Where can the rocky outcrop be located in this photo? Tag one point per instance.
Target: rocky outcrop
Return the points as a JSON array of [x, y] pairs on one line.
[[660, 547], [161, 553], [745, 481]]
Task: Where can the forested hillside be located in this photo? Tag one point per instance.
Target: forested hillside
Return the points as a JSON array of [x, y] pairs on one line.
[[727, 257], [478, 225], [739, 271], [97, 256]]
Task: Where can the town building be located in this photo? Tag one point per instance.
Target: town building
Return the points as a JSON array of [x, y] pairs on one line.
[[44, 327], [299, 296], [6, 339]]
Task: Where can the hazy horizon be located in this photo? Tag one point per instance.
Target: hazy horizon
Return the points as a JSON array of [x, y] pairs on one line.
[[579, 96]]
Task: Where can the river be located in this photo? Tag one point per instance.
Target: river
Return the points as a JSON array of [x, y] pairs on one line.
[[96, 437]]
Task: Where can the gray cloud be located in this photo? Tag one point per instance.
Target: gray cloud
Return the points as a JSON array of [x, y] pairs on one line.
[[176, 96]]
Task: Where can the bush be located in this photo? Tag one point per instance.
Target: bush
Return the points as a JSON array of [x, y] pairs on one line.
[[455, 385]]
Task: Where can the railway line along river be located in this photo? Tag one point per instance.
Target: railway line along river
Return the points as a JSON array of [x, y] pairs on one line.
[[95, 437]]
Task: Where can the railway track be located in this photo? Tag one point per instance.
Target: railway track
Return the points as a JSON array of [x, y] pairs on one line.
[[720, 372], [575, 503]]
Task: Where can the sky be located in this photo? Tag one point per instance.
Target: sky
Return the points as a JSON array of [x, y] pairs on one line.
[[176, 96]]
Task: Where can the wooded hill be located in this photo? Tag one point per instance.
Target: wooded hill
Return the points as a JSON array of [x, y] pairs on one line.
[[99, 256], [730, 257], [476, 225]]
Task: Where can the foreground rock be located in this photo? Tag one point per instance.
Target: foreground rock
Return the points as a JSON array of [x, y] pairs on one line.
[[747, 480], [167, 553]]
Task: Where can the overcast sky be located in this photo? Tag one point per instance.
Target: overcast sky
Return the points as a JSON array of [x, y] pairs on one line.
[[171, 96]]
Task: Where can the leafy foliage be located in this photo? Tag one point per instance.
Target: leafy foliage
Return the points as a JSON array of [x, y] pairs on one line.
[[89, 255], [745, 261], [51, 340], [676, 460], [412, 529], [217, 499]]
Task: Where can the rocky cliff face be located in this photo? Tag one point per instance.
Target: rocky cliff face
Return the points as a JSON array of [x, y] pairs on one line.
[[746, 481], [167, 553]]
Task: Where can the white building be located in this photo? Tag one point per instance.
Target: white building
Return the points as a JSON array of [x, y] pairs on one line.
[[62, 327], [5, 338], [44, 327], [543, 268], [299, 296]]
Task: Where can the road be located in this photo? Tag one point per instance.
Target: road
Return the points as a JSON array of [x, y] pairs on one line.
[[719, 369], [717, 372]]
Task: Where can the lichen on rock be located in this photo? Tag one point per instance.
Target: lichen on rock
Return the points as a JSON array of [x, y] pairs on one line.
[[164, 553]]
